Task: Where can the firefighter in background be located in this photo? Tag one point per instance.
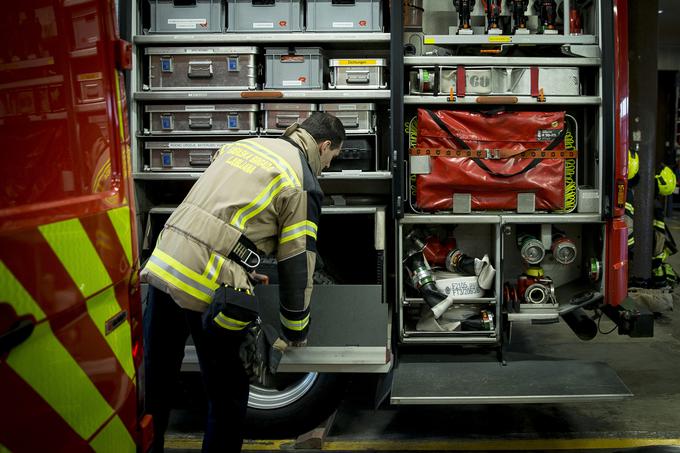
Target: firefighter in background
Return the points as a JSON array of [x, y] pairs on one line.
[[663, 275], [260, 195]]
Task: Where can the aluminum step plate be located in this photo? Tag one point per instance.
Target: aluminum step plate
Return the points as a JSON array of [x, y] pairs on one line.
[[527, 381]]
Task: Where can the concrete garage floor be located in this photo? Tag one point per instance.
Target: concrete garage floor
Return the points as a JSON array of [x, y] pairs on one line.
[[649, 367]]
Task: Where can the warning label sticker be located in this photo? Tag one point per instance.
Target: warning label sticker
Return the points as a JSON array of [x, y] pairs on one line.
[[188, 23], [547, 135]]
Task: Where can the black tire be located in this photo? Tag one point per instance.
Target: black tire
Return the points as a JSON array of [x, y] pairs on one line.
[[304, 401]]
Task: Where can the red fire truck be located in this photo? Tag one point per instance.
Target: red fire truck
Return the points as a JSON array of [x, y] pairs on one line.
[[70, 310]]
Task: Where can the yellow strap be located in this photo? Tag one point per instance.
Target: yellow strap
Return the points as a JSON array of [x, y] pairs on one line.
[[70, 243], [120, 218], [295, 325]]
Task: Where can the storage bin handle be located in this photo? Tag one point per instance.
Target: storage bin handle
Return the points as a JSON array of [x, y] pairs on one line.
[[200, 159], [200, 69], [183, 2], [348, 119], [343, 2], [358, 76], [263, 2], [203, 121], [286, 120]]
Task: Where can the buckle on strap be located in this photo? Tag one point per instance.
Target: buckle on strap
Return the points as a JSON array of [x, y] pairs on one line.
[[245, 253]]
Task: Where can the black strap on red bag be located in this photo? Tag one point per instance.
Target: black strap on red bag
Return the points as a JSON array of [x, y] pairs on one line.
[[461, 144]]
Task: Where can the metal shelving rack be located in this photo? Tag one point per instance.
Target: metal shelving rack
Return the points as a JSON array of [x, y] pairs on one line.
[[595, 103], [148, 181]]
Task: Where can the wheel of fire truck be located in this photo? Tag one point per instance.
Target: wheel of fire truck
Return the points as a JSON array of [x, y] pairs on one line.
[[294, 404]]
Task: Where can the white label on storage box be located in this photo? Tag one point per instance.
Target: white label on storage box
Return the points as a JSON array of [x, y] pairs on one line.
[[188, 23], [347, 106], [263, 24], [291, 83], [198, 108], [343, 24]]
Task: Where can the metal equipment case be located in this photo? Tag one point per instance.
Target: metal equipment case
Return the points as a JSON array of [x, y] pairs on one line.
[[294, 68], [181, 156], [358, 118], [202, 68], [358, 74], [344, 15], [187, 16], [202, 119], [264, 16], [278, 116]]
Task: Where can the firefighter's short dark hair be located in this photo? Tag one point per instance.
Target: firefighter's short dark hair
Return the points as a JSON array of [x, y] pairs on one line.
[[323, 126]]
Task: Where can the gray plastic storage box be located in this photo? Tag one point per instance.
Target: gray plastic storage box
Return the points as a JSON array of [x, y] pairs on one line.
[[358, 74], [187, 16], [181, 156], [278, 116], [344, 15], [202, 68], [264, 16], [357, 118], [202, 119], [294, 68]]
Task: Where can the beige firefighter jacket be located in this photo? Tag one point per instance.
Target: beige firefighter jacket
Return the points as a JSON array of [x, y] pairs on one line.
[[265, 188]]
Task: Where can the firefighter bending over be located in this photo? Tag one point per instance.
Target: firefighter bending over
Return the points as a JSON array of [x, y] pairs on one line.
[[259, 196]]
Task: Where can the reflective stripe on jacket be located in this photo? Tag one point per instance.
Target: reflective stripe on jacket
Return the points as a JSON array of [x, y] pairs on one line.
[[265, 188]]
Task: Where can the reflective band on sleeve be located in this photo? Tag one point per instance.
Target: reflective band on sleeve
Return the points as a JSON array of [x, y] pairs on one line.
[[659, 224], [103, 307], [630, 208], [114, 437], [631, 241], [230, 323], [295, 325], [70, 243], [274, 158], [203, 290], [120, 218], [260, 202], [297, 230]]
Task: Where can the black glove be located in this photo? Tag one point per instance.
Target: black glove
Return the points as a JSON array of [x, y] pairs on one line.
[[261, 352]]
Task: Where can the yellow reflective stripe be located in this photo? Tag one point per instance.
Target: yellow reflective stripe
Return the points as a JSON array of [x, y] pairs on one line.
[[114, 437], [120, 218], [184, 270], [308, 223], [296, 235], [659, 224], [306, 227], [49, 369], [103, 307], [4, 449], [168, 277], [260, 202], [70, 243], [214, 266], [295, 325], [13, 292], [230, 323], [224, 148], [630, 208], [274, 158], [631, 241], [121, 128]]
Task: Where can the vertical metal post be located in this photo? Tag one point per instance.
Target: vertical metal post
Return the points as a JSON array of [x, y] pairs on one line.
[[643, 25], [397, 106]]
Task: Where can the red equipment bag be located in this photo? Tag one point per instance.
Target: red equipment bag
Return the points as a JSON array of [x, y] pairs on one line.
[[493, 157]]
